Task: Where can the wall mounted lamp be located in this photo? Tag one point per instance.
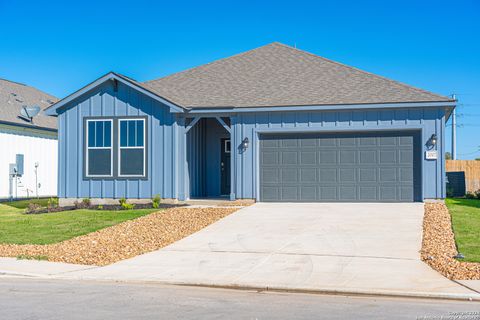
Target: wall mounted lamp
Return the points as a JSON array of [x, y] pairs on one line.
[[245, 143]]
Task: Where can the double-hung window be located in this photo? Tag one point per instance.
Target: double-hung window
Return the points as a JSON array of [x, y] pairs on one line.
[[131, 148], [99, 151]]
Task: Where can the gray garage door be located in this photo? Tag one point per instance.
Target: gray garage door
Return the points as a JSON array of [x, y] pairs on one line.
[[377, 166]]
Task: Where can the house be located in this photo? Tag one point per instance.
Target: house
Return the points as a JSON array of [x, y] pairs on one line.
[[28, 162], [271, 124]]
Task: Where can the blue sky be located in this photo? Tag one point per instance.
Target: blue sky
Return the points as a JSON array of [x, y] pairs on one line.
[[59, 46]]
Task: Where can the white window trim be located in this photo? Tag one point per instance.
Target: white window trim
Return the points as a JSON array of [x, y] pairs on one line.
[[102, 148], [226, 143], [120, 148]]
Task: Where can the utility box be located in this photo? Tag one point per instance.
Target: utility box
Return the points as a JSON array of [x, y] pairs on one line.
[[19, 163], [12, 169]]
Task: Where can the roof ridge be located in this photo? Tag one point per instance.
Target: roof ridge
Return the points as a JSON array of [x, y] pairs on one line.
[[211, 62], [361, 71]]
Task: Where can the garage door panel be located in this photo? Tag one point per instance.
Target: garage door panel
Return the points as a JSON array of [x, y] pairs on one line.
[[289, 157], [348, 156], [368, 157], [347, 175], [269, 158], [388, 156], [308, 158], [367, 193], [308, 193], [289, 175], [367, 174], [388, 174], [289, 193], [270, 175], [348, 193], [308, 175], [328, 156], [327, 175], [377, 166], [328, 193]]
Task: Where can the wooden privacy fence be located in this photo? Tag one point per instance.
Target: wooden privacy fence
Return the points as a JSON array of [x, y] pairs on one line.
[[471, 169]]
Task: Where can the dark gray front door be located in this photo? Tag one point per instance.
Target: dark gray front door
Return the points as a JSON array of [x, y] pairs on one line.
[[336, 167], [225, 166]]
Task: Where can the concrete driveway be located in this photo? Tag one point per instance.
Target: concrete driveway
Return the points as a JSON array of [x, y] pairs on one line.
[[332, 247]]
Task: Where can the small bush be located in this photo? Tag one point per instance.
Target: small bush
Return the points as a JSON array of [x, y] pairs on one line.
[[84, 204], [100, 207], [156, 201], [477, 194], [125, 205], [470, 195], [52, 204], [450, 192], [33, 208]]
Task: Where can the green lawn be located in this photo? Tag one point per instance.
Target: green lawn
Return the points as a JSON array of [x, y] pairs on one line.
[[466, 226], [17, 227], [22, 204]]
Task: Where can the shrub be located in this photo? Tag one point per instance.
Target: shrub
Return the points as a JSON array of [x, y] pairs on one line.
[[100, 207], [52, 203], [125, 205], [470, 195], [156, 201], [477, 194], [449, 192], [84, 204], [33, 208]]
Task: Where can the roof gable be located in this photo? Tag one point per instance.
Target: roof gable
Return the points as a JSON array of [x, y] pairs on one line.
[[279, 75], [112, 76]]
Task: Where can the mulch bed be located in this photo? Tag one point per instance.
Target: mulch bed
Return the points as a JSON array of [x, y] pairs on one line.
[[124, 240], [109, 207], [438, 245]]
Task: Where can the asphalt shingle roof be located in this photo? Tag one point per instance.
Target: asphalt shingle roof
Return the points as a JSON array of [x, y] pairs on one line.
[[279, 75], [14, 95]]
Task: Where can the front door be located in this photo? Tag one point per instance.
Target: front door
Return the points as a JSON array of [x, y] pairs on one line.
[[225, 166]]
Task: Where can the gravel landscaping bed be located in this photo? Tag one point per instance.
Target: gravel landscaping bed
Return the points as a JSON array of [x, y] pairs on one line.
[[124, 240], [438, 245]]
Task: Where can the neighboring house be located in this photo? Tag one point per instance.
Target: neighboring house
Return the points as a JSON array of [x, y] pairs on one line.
[[34, 139], [271, 124]]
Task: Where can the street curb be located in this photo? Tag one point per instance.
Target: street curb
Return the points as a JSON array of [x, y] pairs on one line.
[[327, 291], [354, 292]]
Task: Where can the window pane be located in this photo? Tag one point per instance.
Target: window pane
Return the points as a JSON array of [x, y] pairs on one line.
[[99, 162], [91, 134], [107, 134], [131, 162], [123, 133], [140, 133], [99, 134], [131, 133]]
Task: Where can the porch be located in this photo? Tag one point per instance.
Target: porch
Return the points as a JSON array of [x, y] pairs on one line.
[[209, 160]]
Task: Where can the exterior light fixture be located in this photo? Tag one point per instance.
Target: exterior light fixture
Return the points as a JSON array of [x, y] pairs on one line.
[[433, 139], [245, 143]]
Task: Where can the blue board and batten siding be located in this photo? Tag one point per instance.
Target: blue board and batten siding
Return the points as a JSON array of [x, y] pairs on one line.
[[427, 120], [181, 165], [104, 101]]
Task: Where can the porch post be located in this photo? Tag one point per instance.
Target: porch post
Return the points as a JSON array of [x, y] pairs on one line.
[[182, 178], [233, 156]]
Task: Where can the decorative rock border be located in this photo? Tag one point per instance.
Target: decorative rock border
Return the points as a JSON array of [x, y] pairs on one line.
[[438, 245]]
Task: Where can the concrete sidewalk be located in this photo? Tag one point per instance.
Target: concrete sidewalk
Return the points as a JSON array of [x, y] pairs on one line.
[[338, 248], [35, 268]]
